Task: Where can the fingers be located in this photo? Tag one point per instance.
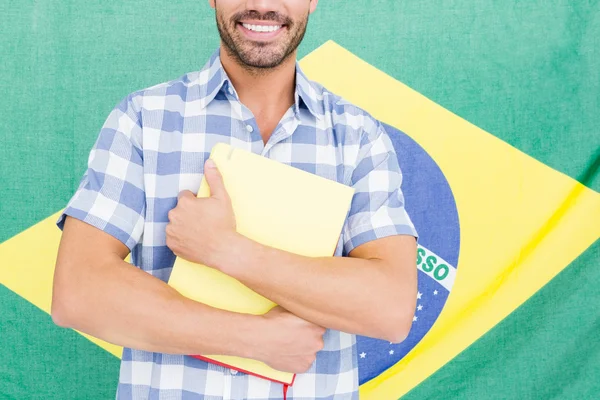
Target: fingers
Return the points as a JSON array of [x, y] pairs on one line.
[[185, 193], [214, 180]]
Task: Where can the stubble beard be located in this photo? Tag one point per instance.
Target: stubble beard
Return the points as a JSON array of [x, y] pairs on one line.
[[255, 56]]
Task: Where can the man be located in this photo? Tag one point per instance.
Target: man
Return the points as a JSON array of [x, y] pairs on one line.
[[136, 195]]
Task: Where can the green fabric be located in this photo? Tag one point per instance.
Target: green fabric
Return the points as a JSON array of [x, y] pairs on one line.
[[40, 360], [549, 348], [526, 72]]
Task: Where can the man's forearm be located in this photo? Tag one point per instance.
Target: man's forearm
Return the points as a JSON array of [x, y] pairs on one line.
[[123, 305], [362, 296]]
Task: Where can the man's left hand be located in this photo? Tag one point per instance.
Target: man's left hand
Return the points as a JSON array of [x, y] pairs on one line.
[[200, 229]]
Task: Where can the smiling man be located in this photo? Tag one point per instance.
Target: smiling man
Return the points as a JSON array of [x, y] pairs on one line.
[[137, 195]]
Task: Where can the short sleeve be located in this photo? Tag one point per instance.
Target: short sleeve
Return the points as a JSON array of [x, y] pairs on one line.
[[377, 208], [111, 194]]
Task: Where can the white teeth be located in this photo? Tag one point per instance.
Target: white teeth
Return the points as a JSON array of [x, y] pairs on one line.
[[262, 28]]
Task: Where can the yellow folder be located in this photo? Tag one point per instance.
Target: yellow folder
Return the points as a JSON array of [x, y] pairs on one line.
[[276, 205]]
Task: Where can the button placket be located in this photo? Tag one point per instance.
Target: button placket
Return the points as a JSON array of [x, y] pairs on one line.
[[284, 129]]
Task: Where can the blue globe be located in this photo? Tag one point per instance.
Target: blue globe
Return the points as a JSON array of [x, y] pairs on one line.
[[432, 208]]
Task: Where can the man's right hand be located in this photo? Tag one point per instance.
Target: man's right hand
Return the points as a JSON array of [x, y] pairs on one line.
[[290, 343]]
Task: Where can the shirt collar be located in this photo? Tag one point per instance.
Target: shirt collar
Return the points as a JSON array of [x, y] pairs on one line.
[[213, 78], [308, 94]]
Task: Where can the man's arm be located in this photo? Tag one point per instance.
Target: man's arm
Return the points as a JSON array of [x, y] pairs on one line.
[[372, 292], [95, 291], [98, 293]]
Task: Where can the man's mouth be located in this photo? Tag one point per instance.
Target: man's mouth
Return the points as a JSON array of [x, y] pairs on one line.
[[262, 28]]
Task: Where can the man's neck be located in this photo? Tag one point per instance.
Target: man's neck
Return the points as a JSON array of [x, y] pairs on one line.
[[263, 91]]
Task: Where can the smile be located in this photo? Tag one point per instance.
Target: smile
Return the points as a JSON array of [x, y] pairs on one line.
[[262, 28], [261, 32]]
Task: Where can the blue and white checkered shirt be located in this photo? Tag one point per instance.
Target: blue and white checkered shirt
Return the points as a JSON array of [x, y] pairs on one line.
[[153, 145]]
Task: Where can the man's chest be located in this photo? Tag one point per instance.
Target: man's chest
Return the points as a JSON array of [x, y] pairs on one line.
[[178, 165], [174, 154]]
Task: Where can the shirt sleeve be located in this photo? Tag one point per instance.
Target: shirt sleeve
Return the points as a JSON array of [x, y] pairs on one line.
[[377, 208], [111, 193]]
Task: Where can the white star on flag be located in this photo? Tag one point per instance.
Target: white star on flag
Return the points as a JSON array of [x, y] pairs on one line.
[[420, 307], [415, 318], [391, 351], [435, 292], [419, 294], [363, 354]]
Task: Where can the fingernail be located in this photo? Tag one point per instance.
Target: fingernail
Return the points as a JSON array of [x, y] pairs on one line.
[[210, 164]]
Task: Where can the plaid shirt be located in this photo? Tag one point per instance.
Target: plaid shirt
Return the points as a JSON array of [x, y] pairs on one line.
[[153, 145]]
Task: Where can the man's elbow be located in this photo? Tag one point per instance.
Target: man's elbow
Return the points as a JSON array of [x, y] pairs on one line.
[[395, 317], [62, 309], [59, 315], [396, 326]]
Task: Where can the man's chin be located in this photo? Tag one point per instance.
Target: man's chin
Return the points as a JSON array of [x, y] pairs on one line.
[[262, 64], [259, 59]]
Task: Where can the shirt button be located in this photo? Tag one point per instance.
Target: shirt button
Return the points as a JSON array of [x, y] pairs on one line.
[[249, 128], [233, 372]]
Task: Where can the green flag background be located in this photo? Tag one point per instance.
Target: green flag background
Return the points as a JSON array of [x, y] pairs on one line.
[[527, 72]]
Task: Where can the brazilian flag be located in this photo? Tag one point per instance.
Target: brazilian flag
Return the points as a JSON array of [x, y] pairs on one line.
[[494, 110]]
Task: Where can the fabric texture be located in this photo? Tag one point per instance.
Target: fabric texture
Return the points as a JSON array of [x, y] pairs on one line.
[[154, 144]]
